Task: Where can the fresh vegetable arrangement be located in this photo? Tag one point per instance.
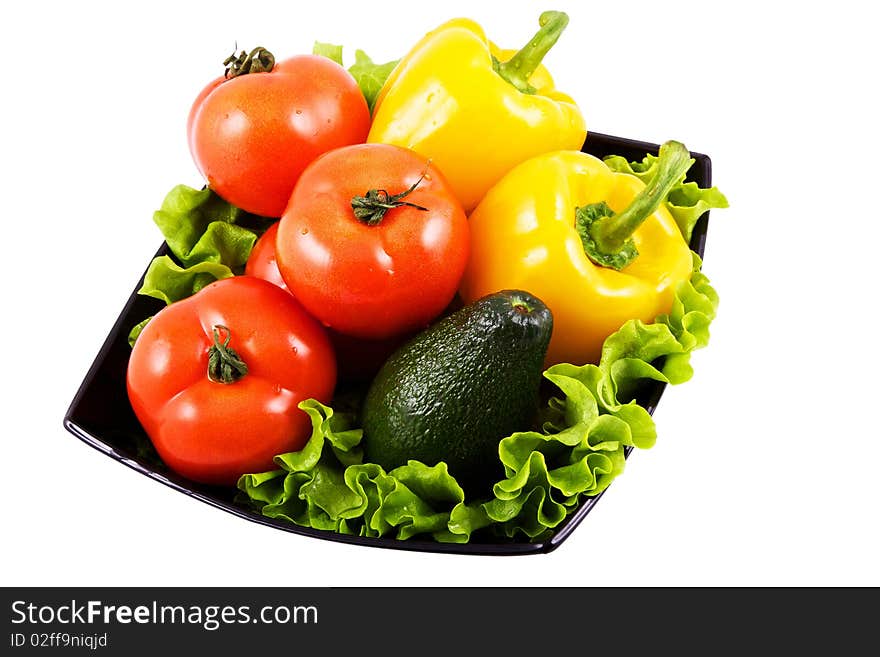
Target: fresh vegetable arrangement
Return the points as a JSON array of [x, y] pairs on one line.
[[406, 303]]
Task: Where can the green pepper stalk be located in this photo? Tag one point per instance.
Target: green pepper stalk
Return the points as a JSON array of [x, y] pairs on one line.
[[606, 236], [518, 69]]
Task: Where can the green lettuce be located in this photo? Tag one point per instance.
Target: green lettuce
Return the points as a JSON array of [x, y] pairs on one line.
[[168, 281], [327, 486], [581, 448], [199, 226], [209, 238], [686, 201], [329, 50], [369, 75]]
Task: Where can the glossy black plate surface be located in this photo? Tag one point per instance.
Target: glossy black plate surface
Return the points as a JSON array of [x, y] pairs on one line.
[[101, 416]]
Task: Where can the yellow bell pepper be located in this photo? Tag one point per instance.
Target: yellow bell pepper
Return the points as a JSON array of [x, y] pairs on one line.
[[598, 247], [451, 100]]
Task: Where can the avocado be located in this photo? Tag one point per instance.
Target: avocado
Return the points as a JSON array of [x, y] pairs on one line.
[[456, 389]]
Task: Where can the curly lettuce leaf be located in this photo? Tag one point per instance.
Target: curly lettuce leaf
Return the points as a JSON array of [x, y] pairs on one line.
[[199, 226], [422, 501], [580, 449], [204, 234], [168, 281], [326, 486], [686, 201], [369, 75], [329, 50]]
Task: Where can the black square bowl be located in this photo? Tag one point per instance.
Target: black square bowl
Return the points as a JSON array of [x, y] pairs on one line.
[[100, 414]]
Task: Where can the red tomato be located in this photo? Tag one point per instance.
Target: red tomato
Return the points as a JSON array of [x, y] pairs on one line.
[[211, 431], [373, 281], [357, 359], [252, 135], [261, 262], [196, 106]]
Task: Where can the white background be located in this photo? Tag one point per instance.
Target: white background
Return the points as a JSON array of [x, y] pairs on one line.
[[765, 470]]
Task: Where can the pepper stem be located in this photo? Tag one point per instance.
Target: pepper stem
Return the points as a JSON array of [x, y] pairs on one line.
[[518, 69], [606, 235], [672, 164], [224, 365], [259, 60], [371, 207]]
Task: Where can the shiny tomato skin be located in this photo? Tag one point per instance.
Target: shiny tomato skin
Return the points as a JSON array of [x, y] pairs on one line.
[[214, 432], [262, 262], [251, 136], [196, 106], [378, 281], [357, 359]]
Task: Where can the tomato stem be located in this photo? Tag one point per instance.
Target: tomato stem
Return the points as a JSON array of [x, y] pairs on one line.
[[371, 208], [224, 364], [259, 60]]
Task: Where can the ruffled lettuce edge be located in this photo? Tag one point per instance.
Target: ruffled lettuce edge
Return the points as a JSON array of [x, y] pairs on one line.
[[580, 449], [210, 238], [686, 201]]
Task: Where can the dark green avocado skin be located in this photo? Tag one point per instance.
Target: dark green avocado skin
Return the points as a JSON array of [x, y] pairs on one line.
[[455, 390]]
